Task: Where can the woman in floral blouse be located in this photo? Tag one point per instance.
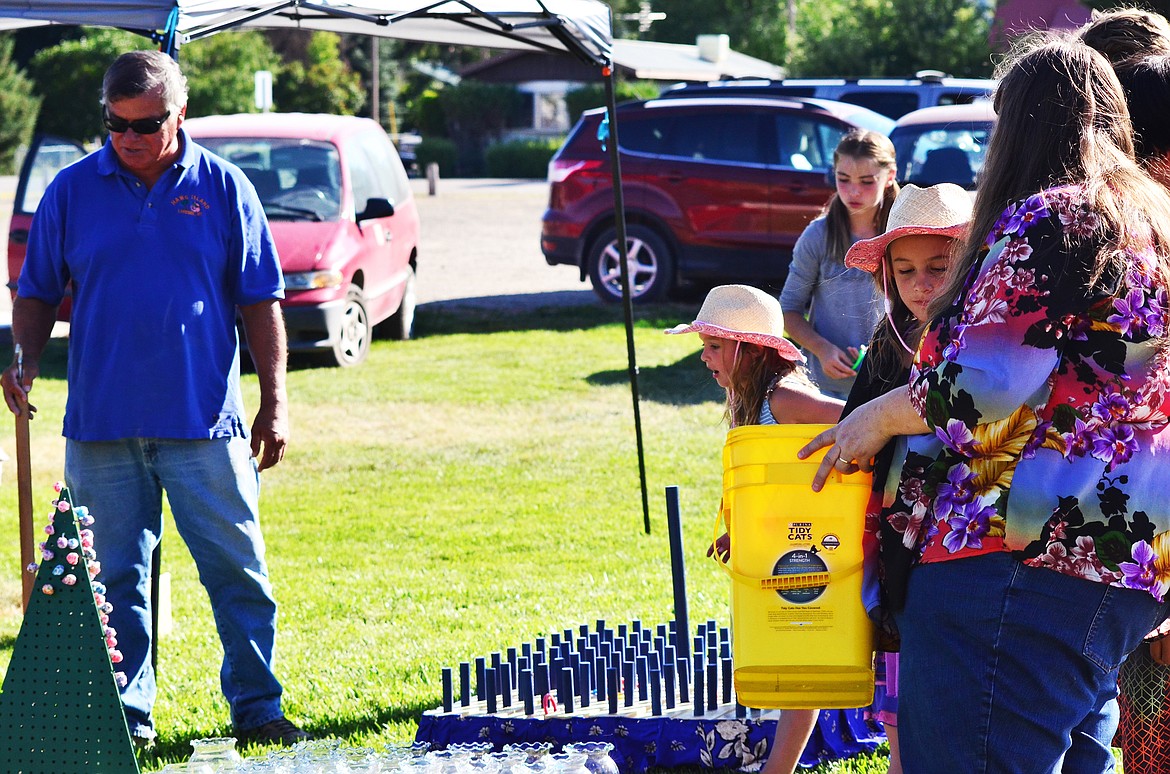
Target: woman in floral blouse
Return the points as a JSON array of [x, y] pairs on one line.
[[1036, 488]]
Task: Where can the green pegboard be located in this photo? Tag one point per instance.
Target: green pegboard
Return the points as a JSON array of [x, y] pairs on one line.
[[60, 711]]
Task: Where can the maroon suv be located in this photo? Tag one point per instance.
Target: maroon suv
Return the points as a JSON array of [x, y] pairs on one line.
[[716, 190]]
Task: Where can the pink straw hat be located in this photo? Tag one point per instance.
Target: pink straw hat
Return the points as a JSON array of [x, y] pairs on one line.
[[743, 313], [940, 210]]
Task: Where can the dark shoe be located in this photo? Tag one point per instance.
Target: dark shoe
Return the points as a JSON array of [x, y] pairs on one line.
[[280, 731], [143, 736]]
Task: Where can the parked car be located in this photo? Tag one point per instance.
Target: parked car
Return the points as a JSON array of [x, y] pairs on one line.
[[943, 144], [715, 190], [341, 210], [893, 97], [45, 157]]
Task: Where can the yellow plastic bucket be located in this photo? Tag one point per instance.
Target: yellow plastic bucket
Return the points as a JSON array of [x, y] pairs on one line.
[[800, 636]]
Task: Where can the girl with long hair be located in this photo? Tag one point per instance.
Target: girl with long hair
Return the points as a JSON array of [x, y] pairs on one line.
[[840, 303]]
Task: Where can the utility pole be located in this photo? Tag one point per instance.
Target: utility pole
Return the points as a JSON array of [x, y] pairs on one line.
[[790, 38], [375, 87]]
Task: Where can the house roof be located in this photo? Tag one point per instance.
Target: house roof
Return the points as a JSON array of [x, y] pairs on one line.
[[641, 59], [654, 61]]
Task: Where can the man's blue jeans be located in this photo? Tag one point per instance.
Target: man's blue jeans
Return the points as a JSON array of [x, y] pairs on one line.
[[213, 489], [1009, 668]]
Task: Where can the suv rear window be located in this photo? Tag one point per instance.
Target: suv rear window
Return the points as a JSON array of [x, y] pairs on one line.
[[806, 145], [888, 103], [710, 136]]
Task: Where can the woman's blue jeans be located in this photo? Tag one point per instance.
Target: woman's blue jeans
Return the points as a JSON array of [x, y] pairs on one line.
[[213, 490], [1010, 668]]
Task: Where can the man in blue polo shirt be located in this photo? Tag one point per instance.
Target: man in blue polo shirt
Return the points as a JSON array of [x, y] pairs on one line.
[[163, 243]]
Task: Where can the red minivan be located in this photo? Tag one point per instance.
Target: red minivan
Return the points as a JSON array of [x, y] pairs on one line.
[[715, 189], [341, 210]]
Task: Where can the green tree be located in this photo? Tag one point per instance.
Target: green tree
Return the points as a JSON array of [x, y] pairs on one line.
[[322, 83], [891, 38], [69, 78], [756, 27], [579, 100], [221, 71], [477, 114], [357, 49], [18, 106]]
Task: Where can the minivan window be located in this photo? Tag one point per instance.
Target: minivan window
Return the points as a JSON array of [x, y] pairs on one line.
[[51, 157], [386, 166], [295, 179]]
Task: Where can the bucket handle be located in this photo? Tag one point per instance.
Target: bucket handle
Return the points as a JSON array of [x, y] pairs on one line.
[[806, 580]]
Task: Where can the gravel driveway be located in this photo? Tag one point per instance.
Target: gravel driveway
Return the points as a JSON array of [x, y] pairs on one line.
[[480, 247]]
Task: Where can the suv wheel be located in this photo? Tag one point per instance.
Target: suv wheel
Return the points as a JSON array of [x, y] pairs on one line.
[[353, 340], [651, 266]]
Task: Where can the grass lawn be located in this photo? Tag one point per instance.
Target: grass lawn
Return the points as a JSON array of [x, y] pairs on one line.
[[455, 495]]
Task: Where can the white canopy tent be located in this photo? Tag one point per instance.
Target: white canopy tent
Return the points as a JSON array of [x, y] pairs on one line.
[[582, 28], [579, 27]]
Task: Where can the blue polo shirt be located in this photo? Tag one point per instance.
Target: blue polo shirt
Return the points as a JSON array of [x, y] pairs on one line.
[[157, 276]]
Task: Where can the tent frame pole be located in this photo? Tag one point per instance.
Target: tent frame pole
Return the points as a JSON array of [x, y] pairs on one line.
[[619, 211]]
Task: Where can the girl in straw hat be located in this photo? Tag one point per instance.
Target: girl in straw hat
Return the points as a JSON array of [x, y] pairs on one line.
[[763, 374], [742, 330], [908, 263]]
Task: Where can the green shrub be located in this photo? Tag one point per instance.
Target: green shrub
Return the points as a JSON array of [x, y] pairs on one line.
[[426, 114], [520, 158], [439, 150]]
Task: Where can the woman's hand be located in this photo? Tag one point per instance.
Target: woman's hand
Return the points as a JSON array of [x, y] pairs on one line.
[[857, 438], [1159, 640]]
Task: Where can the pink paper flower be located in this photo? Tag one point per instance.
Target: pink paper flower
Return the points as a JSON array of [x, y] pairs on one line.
[[69, 579]]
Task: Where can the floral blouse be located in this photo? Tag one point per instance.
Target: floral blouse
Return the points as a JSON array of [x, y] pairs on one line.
[[1048, 404]]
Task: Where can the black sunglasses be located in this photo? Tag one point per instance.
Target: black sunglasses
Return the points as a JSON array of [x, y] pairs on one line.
[[139, 125]]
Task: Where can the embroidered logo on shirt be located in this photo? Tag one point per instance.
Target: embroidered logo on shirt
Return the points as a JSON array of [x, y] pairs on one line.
[[188, 204]]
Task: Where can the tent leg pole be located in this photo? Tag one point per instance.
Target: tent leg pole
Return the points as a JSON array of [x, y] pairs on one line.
[[619, 211]]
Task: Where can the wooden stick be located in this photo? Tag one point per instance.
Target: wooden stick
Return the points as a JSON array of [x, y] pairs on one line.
[[24, 493]]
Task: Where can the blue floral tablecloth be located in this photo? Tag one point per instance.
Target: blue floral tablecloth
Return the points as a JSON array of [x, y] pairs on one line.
[[641, 743]]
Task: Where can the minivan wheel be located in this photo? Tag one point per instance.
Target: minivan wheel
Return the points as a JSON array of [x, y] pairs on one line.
[[651, 266], [352, 343]]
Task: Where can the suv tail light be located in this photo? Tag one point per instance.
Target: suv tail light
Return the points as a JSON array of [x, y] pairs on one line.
[[559, 170]]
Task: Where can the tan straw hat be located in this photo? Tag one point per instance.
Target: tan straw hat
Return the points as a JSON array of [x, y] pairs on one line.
[[743, 313], [940, 210]]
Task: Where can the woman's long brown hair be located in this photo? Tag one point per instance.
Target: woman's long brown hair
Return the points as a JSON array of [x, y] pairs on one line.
[[1063, 120]]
